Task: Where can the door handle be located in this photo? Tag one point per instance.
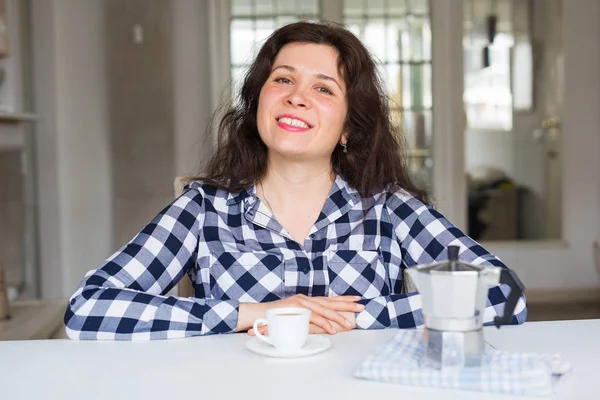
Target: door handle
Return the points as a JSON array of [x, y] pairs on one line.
[[548, 130], [550, 123]]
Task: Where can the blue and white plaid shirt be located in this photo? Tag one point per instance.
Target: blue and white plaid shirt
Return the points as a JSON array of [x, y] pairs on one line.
[[235, 251]]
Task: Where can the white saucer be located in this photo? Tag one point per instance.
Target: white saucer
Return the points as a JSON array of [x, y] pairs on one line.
[[314, 344]]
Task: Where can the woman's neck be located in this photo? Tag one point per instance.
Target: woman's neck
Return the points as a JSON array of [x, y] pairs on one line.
[[288, 183]]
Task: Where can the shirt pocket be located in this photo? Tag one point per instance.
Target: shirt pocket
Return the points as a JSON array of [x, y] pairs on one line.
[[249, 277], [356, 273]]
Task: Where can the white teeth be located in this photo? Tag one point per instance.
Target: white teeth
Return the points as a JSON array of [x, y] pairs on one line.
[[293, 122]]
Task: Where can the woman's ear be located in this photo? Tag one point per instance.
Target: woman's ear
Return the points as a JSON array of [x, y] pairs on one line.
[[344, 137]]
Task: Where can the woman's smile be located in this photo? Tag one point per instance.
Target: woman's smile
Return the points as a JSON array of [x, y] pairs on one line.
[[292, 123]]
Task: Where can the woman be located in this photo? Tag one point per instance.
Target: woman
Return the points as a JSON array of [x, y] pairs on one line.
[[307, 202]]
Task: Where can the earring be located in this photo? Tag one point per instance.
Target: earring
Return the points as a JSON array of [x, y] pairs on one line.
[[345, 146]]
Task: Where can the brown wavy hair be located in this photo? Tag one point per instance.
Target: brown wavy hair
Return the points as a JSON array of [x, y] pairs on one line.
[[375, 158]]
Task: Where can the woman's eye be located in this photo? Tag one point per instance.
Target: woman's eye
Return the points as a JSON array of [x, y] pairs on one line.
[[283, 80], [324, 90]]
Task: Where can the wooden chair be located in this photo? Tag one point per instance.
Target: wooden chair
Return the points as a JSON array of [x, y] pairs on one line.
[[185, 287]]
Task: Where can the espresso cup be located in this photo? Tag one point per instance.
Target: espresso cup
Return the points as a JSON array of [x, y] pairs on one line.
[[288, 328]]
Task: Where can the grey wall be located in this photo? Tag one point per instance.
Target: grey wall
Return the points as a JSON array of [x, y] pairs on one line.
[[158, 104], [140, 103], [72, 141], [192, 79], [119, 121]]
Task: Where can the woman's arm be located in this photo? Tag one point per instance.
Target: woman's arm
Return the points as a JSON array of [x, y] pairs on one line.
[[125, 298], [424, 235]]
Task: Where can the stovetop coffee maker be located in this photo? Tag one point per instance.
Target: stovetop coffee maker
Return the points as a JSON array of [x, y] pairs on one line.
[[453, 297]]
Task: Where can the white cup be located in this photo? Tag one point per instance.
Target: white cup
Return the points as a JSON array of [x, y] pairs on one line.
[[288, 328]]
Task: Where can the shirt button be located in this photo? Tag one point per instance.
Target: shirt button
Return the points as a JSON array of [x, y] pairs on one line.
[[312, 235], [305, 270], [72, 301]]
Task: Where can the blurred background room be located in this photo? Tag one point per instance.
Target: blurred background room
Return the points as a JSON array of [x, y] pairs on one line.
[[103, 103]]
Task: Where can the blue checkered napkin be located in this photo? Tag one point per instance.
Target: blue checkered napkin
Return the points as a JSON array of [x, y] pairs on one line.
[[398, 361]]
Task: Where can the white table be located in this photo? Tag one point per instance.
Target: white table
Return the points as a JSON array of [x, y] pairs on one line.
[[215, 367]]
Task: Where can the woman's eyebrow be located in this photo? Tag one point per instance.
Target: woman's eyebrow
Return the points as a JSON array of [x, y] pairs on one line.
[[318, 75]]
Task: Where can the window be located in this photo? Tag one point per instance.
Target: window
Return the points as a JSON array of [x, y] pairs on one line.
[[398, 34], [252, 21]]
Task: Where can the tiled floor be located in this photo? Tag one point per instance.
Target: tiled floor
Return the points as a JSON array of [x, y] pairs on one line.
[[554, 312]]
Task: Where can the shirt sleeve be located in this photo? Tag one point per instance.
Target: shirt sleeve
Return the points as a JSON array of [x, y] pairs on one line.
[[424, 236], [125, 298]]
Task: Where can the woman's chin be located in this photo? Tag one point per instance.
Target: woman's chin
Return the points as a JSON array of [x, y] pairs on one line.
[[297, 151], [292, 154]]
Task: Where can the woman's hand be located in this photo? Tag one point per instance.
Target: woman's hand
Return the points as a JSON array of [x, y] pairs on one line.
[[329, 314]]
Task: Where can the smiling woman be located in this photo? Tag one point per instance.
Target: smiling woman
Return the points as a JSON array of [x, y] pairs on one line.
[[322, 58], [306, 203]]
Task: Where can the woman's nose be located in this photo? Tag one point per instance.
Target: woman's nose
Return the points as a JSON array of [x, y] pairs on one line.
[[297, 98]]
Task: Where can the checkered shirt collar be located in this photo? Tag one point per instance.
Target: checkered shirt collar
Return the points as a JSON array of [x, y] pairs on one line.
[[341, 198]]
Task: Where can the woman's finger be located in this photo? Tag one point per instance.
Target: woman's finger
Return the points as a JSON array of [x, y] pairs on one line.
[[339, 305], [315, 315], [344, 298], [331, 321], [328, 313], [264, 330], [323, 323], [333, 298], [322, 316], [315, 329]]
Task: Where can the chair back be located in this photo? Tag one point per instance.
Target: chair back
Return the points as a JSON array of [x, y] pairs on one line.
[[185, 287], [4, 308]]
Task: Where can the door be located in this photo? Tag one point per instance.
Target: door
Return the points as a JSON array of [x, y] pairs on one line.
[[548, 151]]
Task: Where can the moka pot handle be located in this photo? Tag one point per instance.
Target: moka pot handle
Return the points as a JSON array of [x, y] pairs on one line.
[[516, 291]]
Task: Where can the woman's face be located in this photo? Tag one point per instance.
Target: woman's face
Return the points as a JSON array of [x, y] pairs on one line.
[[302, 105]]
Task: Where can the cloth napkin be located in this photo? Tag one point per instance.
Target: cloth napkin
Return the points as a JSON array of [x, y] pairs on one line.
[[398, 361]]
